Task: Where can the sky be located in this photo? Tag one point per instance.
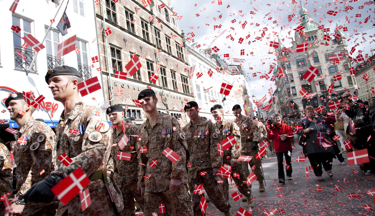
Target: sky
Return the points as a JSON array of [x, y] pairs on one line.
[[199, 18]]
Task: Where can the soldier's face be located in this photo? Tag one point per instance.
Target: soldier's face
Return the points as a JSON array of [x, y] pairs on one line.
[[237, 112], [62, 88], [148, 103], [216, 113], [192, 113], [116, 117], [15, 106]]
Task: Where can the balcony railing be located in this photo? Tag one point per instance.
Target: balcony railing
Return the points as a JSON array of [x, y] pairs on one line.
[[53, 62], [23, 59], [85, 70]]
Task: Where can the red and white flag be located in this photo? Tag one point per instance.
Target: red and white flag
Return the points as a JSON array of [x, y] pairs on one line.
[[303, 92], [274, 44], [210, 72], [37, 101], [243, 212], [65, 159], [33, 42], [14, 5], [236, 196], [66, 47], [203, 205], [302, 47], [331, 12], [300, 159], [143, 150], [21, 55], [336, 57], [7, 204], [225, 89], [337, 187], [358, 157], [134, 65], [320, 109], [22, 140], [70, 186], [124, 156], [161, 208], [85, 199], [336, 137], [137, 103], [334, 105], [252, 177], [171, 155], [220, 149], [123, 142], [263, 144], [120, 75], [153, 163], [89, 86], [191, 72], [153, 78], [261, 153], [348, 144], [228, 142], [311, 73], [11, 130], [245, 158], [337, 77]]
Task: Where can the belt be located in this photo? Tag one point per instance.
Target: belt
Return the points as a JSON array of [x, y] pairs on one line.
[[98, 174]]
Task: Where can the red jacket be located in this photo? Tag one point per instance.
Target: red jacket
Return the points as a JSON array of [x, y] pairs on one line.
[[274, 134]]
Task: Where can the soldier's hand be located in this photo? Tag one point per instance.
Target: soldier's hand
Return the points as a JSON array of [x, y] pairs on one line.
[[233, 162], [175, 184], [16, 209], [141, 190], [215, 171]]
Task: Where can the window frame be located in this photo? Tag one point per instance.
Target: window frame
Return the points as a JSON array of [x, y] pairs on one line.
[[302, 60], [150, 70], [163, 77], [158, 38], [333, 66], [116, 59], [333, 82], [145, 30], [179, 51], [112, 11], [168, 44], [129, 23], [185, 84], [315, 56], [174, 80], [166, 13]]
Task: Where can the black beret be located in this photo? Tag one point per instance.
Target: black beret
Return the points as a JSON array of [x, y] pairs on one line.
[[216, 106], [16, 96], [62, 70], [115, 108], [146, 93], [190, 105], [237, 106]]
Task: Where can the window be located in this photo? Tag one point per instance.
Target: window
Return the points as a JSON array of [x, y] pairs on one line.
[[294, 92], [168, 43], [145, 30], [301, 73], [328, 54], [322, 85], [150, 70], [111, 10], [129, 16], [116, 59], [307, 87], [320, 71], [315, 57], [166, 14], [158, 40], [291, 79], [199, 92], [287, 64], [350, 80], [174, 23], [301, 62], [336, 84], [83, 66], [78, 6], [333, 69], [133, 113], [185, 84], [180, 51], [163, 77], [136, 75], [28, 53], [52, 41], [174, 80]]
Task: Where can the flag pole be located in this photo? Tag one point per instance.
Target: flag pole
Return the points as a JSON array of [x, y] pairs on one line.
[[45, 36]]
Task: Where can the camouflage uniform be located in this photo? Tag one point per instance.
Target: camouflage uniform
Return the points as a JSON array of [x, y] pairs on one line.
[[88, 151], [228, 128], [165, 133], [125, 173], [6, 174], [250, 133], [202, 139], [263, 135], [34, 162]]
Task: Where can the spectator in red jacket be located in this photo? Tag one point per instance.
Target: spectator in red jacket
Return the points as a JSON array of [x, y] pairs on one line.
[[282, 134]]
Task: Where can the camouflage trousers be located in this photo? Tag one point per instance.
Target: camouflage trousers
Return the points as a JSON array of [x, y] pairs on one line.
[[270, 146], [257, 164], [213, 189], [243, 170], [40, 209], [175, 202], [129, 193]]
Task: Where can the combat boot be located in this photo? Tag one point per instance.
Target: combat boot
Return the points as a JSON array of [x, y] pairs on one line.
[[261, 186], [250, 202]]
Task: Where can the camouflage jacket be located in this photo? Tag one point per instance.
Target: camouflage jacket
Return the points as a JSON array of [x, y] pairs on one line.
[[202, 139], [263, 131], [124, 172], [166, 133], [249, 132], [34, 157], [88, 148], [6, 170], [227, 128]]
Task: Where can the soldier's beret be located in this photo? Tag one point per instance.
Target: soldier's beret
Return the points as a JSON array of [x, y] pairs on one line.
[[190, 105], [237, 106], [216, 106], [16, 96], [146, 93], [115, 108], [62, 70]]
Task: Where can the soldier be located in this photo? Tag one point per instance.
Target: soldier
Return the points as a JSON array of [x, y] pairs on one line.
[[124, 172], [32, 154], [204, 159], [250, 137], [88, 149], [5, 174], [263, 132], [162, 175], [240, 171]]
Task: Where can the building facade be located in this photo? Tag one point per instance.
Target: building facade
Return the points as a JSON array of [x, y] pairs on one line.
[[153, 35], [364, 87], [295, 64]]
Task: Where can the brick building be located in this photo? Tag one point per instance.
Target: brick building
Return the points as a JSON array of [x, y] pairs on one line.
[[158, 43]]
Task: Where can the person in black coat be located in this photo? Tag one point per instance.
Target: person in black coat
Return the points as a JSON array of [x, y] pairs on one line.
[[317, 144]]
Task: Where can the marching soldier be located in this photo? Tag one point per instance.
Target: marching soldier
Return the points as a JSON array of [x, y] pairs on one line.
[[5, 174], [124, 172], [204, 159], [162, 176], [240, 170], [88, 149], [250, 137], [32, 154]]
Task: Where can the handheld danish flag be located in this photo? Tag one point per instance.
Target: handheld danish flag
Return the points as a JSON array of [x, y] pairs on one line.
[[124, 156], [334, 105], [137, 103], [171, 155], [14, 5], [65, 159], [161, 208], [21, 55], [300, 159], [228, 142], [252, 177], [70, 186], [348, 144], [311, 73], [203, 205], [225, 89], [358, 157], [153, 78], [302, 47], [336, 57], [124, 140], [210, 72], [263, 144], [33, 42], [22, 140], [89, 86], [236, 196], [245, 158], [320, 109], [220, 149], [11, 130], [134, 65], [153, 163], [37, 101], [120, 75], [303, 92], [143, 150], [7, 204], [243, 212], [331, 12], [274, 44], [66, 47], [261, 153], [336, 137], [85, 199]]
